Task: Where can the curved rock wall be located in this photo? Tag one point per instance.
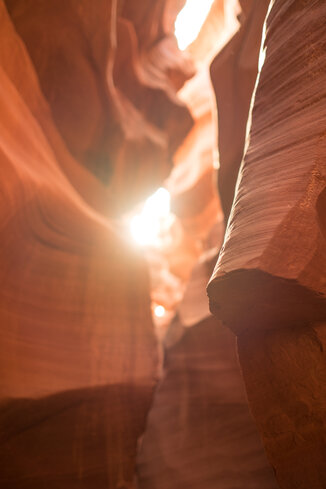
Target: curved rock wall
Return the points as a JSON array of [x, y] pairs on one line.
[[269, 284]]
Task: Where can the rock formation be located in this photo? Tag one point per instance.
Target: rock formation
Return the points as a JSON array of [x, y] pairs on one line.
[[269, 285], [79, 50], [200, 432], [236, 66], [95, 111], [78, 356]]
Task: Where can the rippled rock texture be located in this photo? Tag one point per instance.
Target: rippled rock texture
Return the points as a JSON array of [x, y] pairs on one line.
[[90, 122], [269, 285], [78, 352], [200, 432], [233, 73], [273, 260], [113, 99]]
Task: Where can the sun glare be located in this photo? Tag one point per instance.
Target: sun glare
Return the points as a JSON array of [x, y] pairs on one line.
[[159, 311], [145, 227], [190, 20]]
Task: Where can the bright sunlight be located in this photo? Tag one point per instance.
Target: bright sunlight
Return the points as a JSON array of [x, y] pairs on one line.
[[190, 20], [146, 227]]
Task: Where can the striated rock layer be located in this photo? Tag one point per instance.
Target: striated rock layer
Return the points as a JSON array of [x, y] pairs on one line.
[[200, 433], [285, 377], [273, 261], [79, 49], [233, 74], [269, 285], [78, 353]]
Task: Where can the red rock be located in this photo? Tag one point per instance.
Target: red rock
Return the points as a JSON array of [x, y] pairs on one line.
[[100, 124], [76, 335], [272, 267], [285, 373], [200, 432], [233, 73], [269, 285], [72, 439]]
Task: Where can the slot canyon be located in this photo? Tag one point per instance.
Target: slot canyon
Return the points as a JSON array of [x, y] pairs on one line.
[[163, 244]]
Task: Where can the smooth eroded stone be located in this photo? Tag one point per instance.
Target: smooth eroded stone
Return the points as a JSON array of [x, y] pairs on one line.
[[271, 270], [78, 351], [200, 433], [285, 376], [82, 438], [233, 74], [77, 48]]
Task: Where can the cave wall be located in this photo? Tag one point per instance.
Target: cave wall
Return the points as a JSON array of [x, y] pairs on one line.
[[269, 282], [90, 123], [112, 98], [199, 431], [79, 356]]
